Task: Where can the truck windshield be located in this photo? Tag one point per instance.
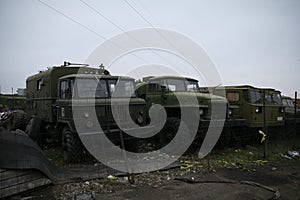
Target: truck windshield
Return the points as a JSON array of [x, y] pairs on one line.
[[97, 88], [91, 88], [121, 88], [277, 98], [179, 85], [268, 98], [288, 103], [255, 97]]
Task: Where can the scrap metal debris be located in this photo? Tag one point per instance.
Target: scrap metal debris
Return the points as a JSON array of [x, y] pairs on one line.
[[186, 165], [293, 154], [84, 196], [263, 137], [290, 154], [13, 120]]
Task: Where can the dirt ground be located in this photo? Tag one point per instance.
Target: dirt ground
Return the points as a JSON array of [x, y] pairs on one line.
[[229, 173], [220, 184], [266, 180]]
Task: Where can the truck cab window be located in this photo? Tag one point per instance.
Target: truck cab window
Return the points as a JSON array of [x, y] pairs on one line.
[[175, 85], [122, 88], [192, 86], [39, 84], [255, 97], [91, 88], [277, 98], [268, 99], [233, 96], [64, 89]]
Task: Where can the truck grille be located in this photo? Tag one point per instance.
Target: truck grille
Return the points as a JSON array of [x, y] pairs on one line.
[[119, 110]]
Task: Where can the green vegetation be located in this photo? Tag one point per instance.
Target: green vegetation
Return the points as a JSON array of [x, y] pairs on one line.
[[55, 155], [247, 158]]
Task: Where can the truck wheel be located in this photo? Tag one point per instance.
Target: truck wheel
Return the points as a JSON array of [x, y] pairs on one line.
[[72, 146], [33, 128], [170, 130], [224, 140]]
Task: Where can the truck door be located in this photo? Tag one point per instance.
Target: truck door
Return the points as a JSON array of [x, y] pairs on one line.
[[155, 94], [63, 109]]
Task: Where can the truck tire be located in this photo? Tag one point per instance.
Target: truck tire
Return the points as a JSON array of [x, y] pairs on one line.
[[73, 149], [170, 130], [225, 139], [33, 128]]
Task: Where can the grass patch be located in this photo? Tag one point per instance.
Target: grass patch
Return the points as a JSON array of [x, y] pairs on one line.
[[106, 181], [248, 158], [55, 155]]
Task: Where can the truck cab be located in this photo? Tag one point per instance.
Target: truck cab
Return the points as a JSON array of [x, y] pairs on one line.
[[165, 90], [247, 102]]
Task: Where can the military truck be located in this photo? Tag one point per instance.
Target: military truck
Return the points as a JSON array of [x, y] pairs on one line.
[[50, 95], [12, 102], [168, 91], [289, 107], [292, 116], [246, 102]]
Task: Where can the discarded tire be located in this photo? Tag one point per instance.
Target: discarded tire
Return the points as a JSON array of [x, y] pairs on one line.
[[17, 120]]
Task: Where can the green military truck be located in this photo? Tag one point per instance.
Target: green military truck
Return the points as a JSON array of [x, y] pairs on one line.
[[12, 102], [178, 95], [247, 102], [292, 116], [50, 95], [289, 107]]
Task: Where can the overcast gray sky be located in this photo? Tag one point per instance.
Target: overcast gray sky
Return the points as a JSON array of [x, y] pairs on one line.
[[251, 41]]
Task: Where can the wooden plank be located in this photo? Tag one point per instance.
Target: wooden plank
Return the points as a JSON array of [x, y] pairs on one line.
[[24, 187], [13, 173], [15, 181], [3, 170], [20, 179]]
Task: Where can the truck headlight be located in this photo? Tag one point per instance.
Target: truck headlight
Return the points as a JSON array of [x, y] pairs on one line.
[[258, 109], [86, 115], [230, 112], [201, 111], [140, 117], [281, 109], [89, 124]]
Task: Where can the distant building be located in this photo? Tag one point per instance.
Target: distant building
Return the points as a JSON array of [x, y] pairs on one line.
[[21, 91]]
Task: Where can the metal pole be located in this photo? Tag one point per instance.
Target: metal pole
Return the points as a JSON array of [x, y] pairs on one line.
[[264, 125], [13, 99], [129, 174], [295, 120], [296, 102]]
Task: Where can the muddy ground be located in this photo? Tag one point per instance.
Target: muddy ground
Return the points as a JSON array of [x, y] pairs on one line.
[[226, 174]]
